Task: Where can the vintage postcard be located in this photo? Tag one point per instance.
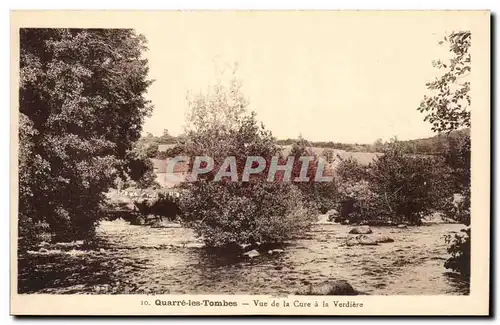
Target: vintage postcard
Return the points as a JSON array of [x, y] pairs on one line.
[[250, 162]]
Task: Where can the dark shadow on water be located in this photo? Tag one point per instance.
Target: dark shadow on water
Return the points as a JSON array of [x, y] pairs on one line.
[[73, 274], [459, 283], [84, 269]]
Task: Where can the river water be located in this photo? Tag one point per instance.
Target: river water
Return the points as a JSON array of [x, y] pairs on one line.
[[139, 259]]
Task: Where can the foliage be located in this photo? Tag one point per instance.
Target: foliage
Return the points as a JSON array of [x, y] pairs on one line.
[[239, 213], [448, 108], [322, 194], [356, 203], [350, 170], [410, 186], [81, 108], [175, 151], [140, 173], [234, 212], [435, 145], [395, 188], [167, 138], [146, 147], [164, 205], [329, 155], [459, 248]]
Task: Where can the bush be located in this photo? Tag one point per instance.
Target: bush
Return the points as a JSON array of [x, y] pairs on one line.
[[459, 248], [358, 204], [409, 187], [395, 188], [226, 213], [171, 152], [231, 213], [321, 194], [164, 206], [350, 170]]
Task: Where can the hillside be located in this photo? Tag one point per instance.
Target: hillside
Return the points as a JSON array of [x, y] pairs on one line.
[[425, 146], [364, 153]]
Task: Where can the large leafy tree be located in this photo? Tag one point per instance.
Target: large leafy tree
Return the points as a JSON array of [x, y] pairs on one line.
[[81, 108], [448, 109]]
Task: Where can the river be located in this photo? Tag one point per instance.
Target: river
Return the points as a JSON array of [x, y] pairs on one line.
[[139, 259]]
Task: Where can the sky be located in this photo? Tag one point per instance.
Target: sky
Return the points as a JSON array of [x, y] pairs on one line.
[[345, 77]]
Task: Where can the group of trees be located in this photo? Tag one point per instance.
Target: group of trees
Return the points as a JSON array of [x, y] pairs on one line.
[[148, 145], [435, 145]]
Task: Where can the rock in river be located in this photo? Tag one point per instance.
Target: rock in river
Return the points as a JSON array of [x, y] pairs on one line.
[[384, 239], [253, 253], [361, 230], [366, 240], [329, 288]]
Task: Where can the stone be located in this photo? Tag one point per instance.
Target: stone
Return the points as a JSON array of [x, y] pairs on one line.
[[384, 239], [361, 230], [402, 226], [366, 240], [244, 246], [351, 241], [253, 253], [329, 288]]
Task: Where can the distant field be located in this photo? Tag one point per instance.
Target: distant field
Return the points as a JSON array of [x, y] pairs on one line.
[[363, 158]]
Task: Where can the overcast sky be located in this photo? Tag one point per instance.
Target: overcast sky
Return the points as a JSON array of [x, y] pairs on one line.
[[343, 77]]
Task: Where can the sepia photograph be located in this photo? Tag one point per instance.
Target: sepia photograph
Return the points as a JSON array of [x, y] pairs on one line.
[[192, 158]]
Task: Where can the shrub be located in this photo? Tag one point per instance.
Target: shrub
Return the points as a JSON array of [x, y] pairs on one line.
[[241, 213], [459, 248], [321, 194], [409, 186], [350, 170], [226, 213], [164, 206], [395, 188], [358, 203]]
